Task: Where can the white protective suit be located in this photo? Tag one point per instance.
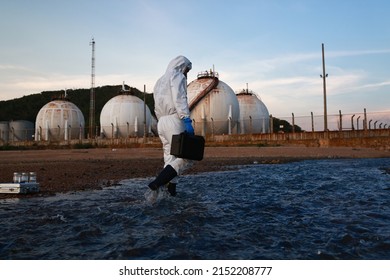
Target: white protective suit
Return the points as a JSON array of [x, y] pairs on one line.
[[171, 106]]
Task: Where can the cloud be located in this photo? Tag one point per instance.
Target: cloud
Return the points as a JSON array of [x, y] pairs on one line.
[[11, 67], [298, 61], [376, 85], [356, 53]]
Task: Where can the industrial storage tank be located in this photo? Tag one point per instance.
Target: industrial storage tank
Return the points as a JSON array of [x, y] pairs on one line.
[[21, 131], [213, 105], [254, 115], [4, 132], [123, 116], [59, 120]]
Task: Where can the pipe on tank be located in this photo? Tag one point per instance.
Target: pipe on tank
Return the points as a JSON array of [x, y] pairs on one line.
[[112, 131], [230, 119], [263, 130], [136, 125], [13, 134], [115, 135], [38, 133], [203, 93], [66, 130], [204, 120], [47, 130]]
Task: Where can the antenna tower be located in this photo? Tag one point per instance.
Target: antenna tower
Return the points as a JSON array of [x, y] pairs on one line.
[[92, 95]]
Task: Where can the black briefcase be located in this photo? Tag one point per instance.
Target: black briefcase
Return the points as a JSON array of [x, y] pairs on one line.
[[187, 146]]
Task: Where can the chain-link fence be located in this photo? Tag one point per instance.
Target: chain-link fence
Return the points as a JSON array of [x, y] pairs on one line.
[[15, 132], [340, 121]]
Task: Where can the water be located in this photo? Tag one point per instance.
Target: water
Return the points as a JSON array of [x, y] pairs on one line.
[[318, 209]]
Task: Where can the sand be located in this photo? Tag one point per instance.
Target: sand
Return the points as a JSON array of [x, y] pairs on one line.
[[74, 170]]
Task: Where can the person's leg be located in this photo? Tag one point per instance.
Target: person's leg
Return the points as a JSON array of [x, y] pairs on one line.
[[172, 188], [173, 166], [165, 176], [167, 126]]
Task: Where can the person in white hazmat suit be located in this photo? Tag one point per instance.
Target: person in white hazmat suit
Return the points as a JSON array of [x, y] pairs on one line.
[[173, 115]]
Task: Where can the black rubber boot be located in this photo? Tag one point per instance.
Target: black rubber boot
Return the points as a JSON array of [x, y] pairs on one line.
[[166, 175], [172, 188]]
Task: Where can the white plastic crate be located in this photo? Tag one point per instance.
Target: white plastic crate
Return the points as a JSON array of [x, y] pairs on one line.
[[28, 187]]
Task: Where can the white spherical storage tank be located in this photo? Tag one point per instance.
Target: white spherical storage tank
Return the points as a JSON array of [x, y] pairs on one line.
[[213, 104], [123, 116], [59, 120], [254, 115]]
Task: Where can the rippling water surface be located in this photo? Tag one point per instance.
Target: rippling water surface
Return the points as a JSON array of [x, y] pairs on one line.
[[318, 209]]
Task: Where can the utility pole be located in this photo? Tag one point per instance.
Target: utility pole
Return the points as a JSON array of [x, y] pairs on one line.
[[324, 76], [92, 94], [144, 113]]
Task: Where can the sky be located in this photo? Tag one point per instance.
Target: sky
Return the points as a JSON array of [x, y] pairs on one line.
[[274, 47]]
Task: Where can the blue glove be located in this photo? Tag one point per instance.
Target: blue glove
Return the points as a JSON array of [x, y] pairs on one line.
[[188, 126]]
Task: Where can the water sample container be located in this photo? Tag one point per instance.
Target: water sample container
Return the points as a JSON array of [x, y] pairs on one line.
[[17, 177], [24, 177], [32, 177]]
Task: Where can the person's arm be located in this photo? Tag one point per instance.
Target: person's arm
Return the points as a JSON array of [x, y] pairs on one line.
[[179, 95]]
